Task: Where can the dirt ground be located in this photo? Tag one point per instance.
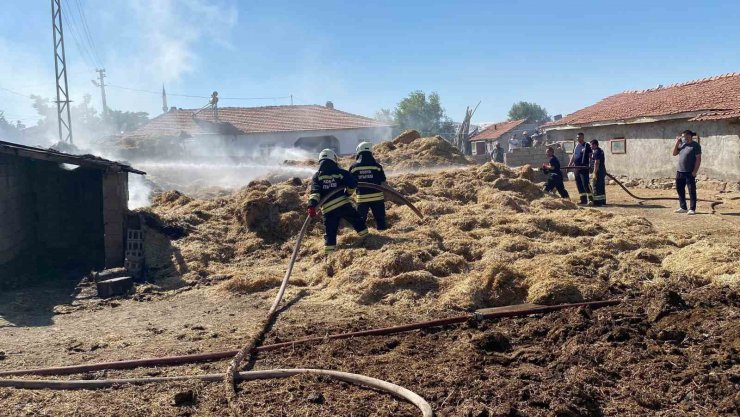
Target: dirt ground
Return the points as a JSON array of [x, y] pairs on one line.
[[672, 348]]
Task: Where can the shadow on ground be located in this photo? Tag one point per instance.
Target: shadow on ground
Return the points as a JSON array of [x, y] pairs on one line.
[[33, 304]]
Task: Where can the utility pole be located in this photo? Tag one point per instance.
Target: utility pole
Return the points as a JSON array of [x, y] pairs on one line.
[[60, 71], [101, 83]]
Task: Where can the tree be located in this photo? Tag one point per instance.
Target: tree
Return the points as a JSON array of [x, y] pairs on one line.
[[534, 113], [9, 131], [421, 112], [385, 116]]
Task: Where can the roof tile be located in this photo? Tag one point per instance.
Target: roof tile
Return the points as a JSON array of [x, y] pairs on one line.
[[496, 130], [719, 95], [235, 120]]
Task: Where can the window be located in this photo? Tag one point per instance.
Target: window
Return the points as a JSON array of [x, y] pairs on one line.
[[618, 145]]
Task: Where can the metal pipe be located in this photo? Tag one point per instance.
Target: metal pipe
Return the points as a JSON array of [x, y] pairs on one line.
[[485, 314]]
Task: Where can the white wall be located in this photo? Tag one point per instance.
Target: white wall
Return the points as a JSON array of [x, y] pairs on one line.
[[649, 147]]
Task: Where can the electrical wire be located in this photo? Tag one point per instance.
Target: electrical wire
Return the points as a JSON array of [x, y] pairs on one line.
[[195, 96], [88, 36], [71, 24]]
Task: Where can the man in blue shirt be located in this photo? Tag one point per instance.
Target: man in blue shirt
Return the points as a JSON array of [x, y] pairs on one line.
[[598, 175], [582, 158], [555, 177], [689, 161]]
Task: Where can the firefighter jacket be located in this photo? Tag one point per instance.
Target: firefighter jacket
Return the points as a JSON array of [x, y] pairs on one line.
[[367, 169], [329, 178]]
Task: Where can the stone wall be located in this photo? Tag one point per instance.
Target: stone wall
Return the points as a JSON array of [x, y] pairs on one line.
[[649, 147], [534, 156]]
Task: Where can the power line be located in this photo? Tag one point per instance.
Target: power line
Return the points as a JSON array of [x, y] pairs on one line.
[[195, 96], [88, 36], [71, 23], [16, 93]]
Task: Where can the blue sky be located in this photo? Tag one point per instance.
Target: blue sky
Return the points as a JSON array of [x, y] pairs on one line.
[[367, 55]]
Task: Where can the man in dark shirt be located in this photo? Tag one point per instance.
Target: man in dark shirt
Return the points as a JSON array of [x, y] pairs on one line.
[[689, 160], [555, 177], [581, 158], [498, 154], [598, 176]]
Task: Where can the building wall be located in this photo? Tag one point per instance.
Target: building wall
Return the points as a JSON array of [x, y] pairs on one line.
[[649, 147], [256, 144], [17, 228], [534, 156], [51, 218]]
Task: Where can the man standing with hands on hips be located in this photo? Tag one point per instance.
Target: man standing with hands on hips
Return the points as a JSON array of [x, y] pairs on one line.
[[689, 160]]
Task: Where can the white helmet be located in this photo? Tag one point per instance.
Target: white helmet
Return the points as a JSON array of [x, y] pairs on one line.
[[364, 147], [327, 154]]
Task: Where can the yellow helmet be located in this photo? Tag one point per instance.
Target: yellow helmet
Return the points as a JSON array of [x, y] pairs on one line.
[[327, 154], [364, 147]]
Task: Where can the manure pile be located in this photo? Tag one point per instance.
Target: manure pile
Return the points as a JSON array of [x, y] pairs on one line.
[[490, 237]]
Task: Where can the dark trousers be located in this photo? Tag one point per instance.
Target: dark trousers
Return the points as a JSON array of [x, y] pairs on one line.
[[332, 220], [584, 188], [599, 189], [555, 181], [378, 208], [683, 180]]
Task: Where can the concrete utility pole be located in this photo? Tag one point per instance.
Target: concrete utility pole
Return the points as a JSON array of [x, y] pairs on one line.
[[101, 83], [60, 69]]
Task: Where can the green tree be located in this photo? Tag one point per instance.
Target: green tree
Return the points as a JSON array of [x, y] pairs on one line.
[[385, 116], [534, 113], [424, 113], [8, 130], [120, 121]]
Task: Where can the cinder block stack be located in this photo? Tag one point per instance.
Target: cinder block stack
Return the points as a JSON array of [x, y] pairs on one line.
[[134, 259]]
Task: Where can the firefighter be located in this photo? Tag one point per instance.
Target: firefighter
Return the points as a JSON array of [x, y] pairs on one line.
[[367, 169], [329, 178], [555, 175], [581, 158], [598, 174]]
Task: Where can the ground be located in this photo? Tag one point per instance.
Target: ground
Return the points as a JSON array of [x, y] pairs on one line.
[[670, 349]]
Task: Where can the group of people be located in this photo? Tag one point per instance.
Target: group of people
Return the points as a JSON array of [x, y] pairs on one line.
[[589, 167], [588, 164], [588, 160], [330, 178]]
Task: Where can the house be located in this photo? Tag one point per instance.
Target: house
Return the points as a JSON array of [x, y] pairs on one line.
[[240, 132], [637, 129], [483, 142], [60, 211]]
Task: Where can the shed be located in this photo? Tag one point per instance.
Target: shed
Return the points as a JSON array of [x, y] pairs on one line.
[[60, 211], [637, 129]]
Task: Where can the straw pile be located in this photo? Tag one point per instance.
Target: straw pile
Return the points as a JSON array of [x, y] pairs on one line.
[[490, 237]]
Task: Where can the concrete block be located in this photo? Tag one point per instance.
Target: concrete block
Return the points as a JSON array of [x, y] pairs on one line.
[[114, 287]]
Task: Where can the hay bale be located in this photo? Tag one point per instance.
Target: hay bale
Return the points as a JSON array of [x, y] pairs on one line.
[[406, 137]]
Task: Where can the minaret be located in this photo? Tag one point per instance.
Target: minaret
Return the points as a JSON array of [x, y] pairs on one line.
[[164, 100]]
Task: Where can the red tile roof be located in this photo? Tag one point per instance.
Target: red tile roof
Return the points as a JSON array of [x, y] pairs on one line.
[[496, 130], [243, 120], [716, 97]]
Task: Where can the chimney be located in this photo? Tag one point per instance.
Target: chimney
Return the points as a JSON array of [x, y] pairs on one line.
[[329, 105], [557, 117]]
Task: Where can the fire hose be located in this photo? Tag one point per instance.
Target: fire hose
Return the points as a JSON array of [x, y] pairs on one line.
[[713, 203], [233, 369], [485, 314]]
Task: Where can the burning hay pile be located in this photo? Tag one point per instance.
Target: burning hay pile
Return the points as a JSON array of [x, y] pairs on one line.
[[490, 237]]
